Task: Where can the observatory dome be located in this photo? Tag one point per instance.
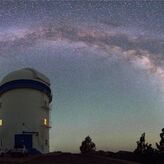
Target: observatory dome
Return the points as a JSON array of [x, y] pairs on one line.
[[25, 97], [26, 73]]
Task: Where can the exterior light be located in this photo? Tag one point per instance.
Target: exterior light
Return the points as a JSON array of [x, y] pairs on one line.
[[45, 121], [1, 122]]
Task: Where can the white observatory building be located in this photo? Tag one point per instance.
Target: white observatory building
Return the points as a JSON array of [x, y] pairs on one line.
[[25, 96]]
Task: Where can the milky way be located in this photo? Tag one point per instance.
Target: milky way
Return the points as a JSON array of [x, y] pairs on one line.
[[129, 33]]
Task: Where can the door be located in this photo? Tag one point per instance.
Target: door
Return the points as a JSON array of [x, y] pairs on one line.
[[24, 139]]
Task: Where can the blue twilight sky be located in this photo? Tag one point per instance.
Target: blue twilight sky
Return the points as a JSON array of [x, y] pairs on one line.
[[105, 60]]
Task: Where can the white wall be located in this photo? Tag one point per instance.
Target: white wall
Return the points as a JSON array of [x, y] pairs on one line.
[[22, 110]]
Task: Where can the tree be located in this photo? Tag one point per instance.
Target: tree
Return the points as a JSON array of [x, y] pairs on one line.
[[143, 147], [160, 146], [141, 144], [87, 146]]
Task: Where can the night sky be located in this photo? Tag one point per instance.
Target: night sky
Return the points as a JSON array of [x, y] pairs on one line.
[[105, 60]]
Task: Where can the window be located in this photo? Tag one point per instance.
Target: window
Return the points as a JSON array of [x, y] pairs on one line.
[[46, 142], [1, 122], [45, 102], [45, 122]]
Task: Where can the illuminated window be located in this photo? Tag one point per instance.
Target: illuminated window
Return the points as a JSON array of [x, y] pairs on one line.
[[45, 121], [1, 122]]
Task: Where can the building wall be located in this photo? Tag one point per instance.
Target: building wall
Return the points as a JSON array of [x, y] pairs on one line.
[[24, 110]]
